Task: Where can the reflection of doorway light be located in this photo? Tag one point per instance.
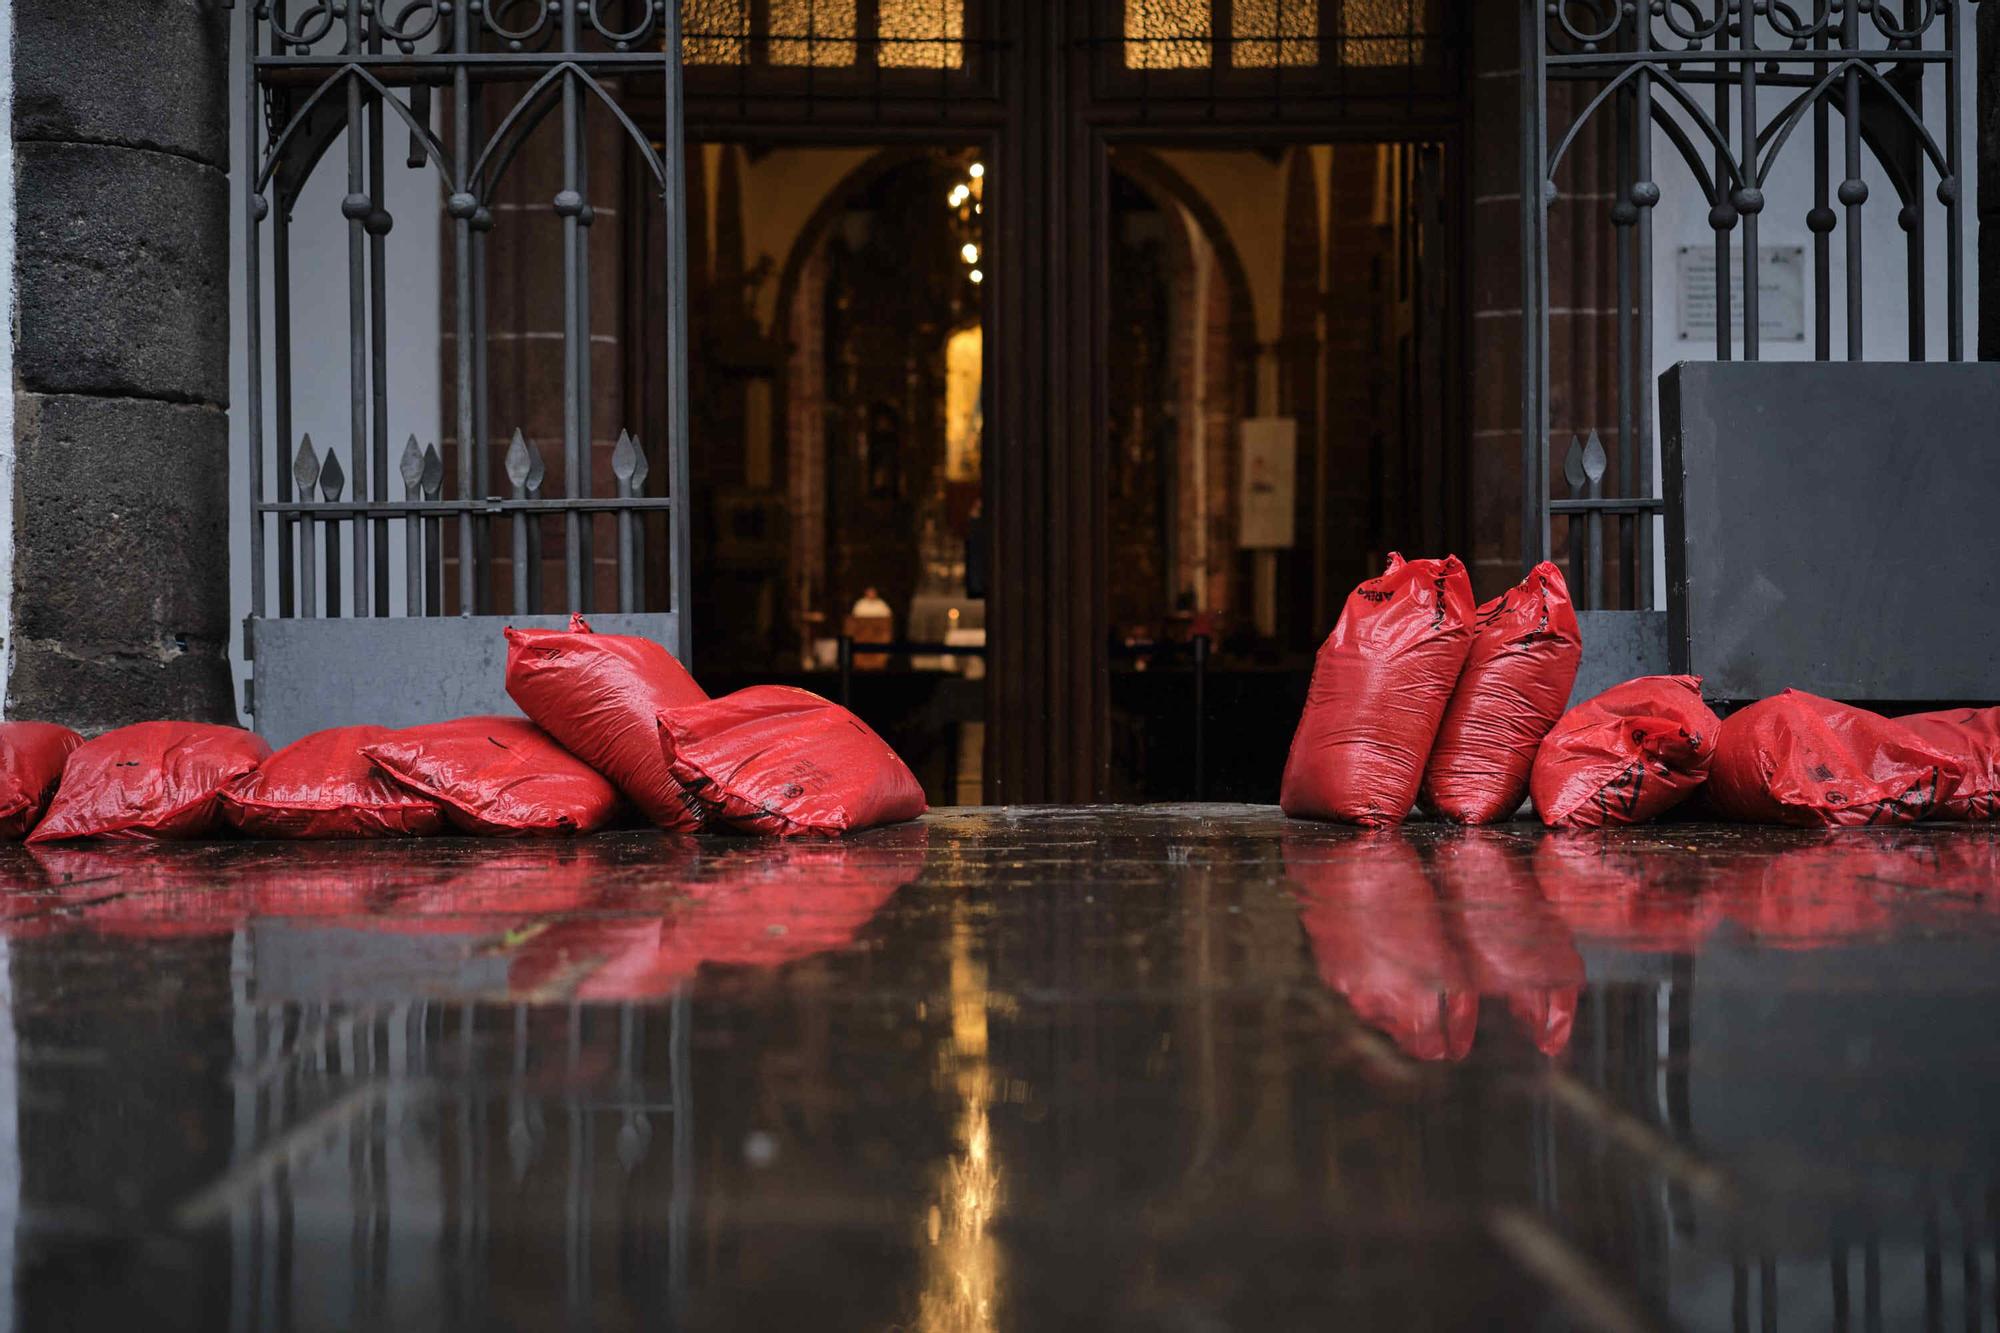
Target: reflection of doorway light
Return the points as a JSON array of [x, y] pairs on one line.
[[964, 353]]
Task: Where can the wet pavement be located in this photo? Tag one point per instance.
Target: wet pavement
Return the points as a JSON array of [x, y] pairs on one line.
[[1170, 1067]]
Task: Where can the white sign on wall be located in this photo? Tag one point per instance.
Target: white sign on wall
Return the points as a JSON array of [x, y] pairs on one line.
[[1264, 505], [1781, 292]]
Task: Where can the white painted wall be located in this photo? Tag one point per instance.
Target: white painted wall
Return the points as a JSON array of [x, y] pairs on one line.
[[320, 332]]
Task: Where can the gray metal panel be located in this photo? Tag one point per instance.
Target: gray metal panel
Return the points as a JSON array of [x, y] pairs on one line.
[[314, 673], [1618, 645], [1832, 527]]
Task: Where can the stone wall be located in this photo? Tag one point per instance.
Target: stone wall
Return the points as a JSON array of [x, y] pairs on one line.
[[121, 596]]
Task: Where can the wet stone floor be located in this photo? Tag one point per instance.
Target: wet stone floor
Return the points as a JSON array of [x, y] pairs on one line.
[[1181, 1068]]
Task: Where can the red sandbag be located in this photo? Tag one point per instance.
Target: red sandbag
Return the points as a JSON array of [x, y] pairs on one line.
[[778, 760], [32, 755], [149, 780], [1626, 756], [1516, 681], [1379, 688], [1972, 737], [600, 696], [1796, 758], [497, 775], [322, 786]]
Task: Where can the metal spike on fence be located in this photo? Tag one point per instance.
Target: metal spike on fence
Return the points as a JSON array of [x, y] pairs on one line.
[[412, 468], [640, 467], [538, 471], [1573, 467], [1594, 460], [433, 473], [623, 459], [332, 477], [305, 468], [519, 460]]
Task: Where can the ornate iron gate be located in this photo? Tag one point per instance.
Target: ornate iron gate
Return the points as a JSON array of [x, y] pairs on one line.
[[346, 639], [1732, 87]]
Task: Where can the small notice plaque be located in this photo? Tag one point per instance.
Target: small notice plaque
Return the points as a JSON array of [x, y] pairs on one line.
[[1781, 292]]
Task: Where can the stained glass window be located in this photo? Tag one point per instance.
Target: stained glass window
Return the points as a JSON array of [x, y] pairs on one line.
[[715, 32], [1383, 32], [1168, 34], [922, 34], [812, 32], [1274, 32]]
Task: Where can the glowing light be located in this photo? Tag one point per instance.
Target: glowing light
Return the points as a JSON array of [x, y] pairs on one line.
[[970, 252], [976, 170], [977, 276]]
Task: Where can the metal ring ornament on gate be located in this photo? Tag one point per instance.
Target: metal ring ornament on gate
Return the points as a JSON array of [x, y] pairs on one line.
[[1696, 28], [494, 13], [1914, 34], [1588, 36], [399, 30], [650, 13], [1785, 21], [313, 23]]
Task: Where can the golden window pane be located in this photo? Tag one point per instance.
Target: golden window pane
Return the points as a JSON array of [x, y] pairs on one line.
[[812, 32], [1168, 34], [715, 32], [1274, 32], [922, 34], [1383, 33]]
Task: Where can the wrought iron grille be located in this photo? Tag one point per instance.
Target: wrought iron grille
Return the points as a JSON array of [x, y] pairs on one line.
[[324, 74], [1732, 88]]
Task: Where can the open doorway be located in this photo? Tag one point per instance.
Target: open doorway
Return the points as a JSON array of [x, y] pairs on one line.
[[1278, 360], [837, 360]]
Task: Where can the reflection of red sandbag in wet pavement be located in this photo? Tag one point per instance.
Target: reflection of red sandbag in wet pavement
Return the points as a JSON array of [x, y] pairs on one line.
[[498, 775], [1610, 891], [1625, 756], [32, 755], [149, 780], [1972, 737], [1378, 937], [1809, 897], [322, 786], [1796, 758], [1517, 679], [760, 909], [598, 694], [783, 761], [1515, 944], [1380, 685]]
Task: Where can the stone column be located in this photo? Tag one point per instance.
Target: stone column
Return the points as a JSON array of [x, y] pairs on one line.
[[121, 358]]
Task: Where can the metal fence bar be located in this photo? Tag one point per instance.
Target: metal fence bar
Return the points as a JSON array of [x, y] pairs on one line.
[[412, 469], [253, 249], [355, 207], [462, 208], [673, 199], [1748, 200], [281, 371], [1853, 190], [580, 350], [568, 207], [377, 225], [1951, 188], [433, 533], [305, 473], [519, 462]]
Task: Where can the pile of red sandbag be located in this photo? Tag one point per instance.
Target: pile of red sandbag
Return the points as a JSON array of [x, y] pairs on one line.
[[613, 724], [1415, 696], [1417, 691]]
